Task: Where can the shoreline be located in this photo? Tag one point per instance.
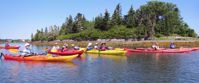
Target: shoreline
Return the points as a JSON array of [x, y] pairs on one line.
[[124, 44]]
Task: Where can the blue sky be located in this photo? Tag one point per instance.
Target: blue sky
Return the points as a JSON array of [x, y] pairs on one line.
[[20, 18]]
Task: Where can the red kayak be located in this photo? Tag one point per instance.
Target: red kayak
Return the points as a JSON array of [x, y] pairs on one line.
[[162, 50], [10, 47], [68, 52], [195, 49]]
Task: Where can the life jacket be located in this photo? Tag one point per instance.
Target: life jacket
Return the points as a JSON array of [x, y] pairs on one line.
[[172, 46], [103, 48]]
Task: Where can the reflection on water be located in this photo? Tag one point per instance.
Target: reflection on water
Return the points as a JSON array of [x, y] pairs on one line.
[[133, 68], [115, 58]]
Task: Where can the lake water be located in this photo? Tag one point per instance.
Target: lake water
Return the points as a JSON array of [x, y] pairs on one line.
[[133, 68]]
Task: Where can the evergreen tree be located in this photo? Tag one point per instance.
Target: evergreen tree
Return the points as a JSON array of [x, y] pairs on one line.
[[103, 22], [69, 24], [46, 31], [117, 16], [99, 22], [32, 37], [79, 23], [130, 18], [106, 19]]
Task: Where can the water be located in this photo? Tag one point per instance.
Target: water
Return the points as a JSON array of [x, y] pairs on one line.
[[133, 68]]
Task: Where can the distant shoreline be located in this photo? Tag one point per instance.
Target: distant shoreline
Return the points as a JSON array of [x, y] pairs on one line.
[[125, 44]]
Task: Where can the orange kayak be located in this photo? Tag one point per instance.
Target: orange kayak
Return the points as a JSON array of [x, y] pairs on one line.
[[40, 58]]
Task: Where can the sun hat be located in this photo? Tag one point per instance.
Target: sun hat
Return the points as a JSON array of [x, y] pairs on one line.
[[27, 44]]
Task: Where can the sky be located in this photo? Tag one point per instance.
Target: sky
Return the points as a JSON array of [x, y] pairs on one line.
[[20, 18]]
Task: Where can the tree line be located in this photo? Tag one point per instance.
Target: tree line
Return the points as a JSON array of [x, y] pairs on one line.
[[154, 19]]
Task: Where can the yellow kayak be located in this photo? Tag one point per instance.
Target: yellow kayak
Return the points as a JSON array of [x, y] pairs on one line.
[[107, 52], [111, 57]]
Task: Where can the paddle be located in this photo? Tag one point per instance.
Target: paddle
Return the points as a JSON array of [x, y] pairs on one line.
[[86, 49], [13, 50], [1, 55], [99, 52]]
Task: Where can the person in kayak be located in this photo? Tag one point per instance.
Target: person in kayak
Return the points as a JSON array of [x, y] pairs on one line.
[[172, 45], [64, 48], [75, 47], [89, 47], [7, 44], [96, 46], [55, 48], [155, 46], [103, 47], [27, 50]]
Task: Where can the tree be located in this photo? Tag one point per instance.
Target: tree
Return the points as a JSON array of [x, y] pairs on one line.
[[159, 18], [69, 24], [130, 18], [103, 22], [79, 23], [99, 22], [153, 19], [106, 19], [36, 38], [117, 16], [32, 37]]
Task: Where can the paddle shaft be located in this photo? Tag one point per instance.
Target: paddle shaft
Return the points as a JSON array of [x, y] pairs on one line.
[[1, 55]]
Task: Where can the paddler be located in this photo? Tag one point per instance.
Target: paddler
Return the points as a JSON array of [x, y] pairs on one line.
[[27, 50], [64, 48], [96, 46], [172, 45], [75, 47], [103, 46], [55, 48], [89, 47], [7, 44], [155, 46]]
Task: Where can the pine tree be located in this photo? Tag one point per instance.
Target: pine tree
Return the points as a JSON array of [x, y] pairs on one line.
[[69, 24], [32, 37], [79, 23], [117, 16], [130, 18], [106, 19], [99, 22]]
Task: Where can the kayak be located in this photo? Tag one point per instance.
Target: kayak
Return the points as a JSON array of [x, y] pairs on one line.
[[188, 49], [10, 47], [108, 52], [68, 52], [195, 49], [149, 49], [40, 58], [162, 50]]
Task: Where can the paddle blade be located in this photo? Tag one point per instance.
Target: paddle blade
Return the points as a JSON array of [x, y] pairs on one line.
[[49, 55], [13, 50]]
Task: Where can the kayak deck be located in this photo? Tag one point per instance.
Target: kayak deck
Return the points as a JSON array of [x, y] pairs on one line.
[[108, 52]]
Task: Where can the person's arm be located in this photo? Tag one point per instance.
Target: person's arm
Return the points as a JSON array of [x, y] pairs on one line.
[[106, 47], [100, 47], [7, 45]]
